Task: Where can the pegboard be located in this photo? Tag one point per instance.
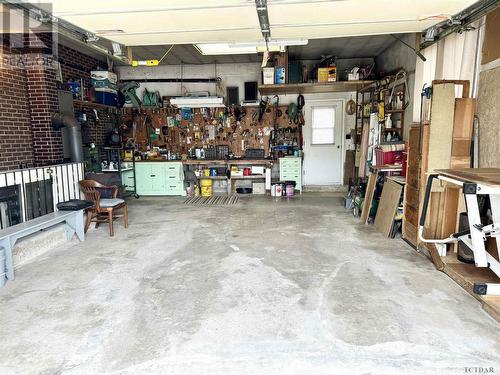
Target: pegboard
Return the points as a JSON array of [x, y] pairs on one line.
[[180, 130]]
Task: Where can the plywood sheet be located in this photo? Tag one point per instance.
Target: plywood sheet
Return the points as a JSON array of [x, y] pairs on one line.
[[389, 201], [464, 116], [349, 166], [488, 112], [491, 47], [451, 202], [441, 129], [462, 132]]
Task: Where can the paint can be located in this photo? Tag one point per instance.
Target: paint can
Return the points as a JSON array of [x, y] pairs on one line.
[[206, 172], [273, 190], [213, 172], [290, 188], [206, 187], [278, 190]]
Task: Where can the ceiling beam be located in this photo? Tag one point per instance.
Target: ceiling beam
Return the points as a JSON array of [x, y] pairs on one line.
[[265, 28]]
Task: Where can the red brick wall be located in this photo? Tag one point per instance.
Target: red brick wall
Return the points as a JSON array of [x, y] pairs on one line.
[[28, 99], [42, 97], [76, 65], [15, 126]]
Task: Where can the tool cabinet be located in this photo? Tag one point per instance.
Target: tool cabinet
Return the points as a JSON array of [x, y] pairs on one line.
[[160, 178], [291, 170]]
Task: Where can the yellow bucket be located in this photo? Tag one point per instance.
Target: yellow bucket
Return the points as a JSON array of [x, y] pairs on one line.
[[206, 191], [206, 187], [206, 182]]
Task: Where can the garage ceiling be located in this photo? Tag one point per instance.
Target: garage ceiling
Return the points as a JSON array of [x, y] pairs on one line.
[[153, 22], [349, 47]]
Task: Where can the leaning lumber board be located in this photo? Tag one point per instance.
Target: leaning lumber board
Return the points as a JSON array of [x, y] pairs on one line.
[[370, 191], [450, 211], [462, 132], [386, 211]]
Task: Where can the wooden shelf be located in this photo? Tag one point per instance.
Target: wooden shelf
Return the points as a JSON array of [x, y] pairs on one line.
[[85, 103], [247, 177], [212, 177], [394, 111], [312, 88]]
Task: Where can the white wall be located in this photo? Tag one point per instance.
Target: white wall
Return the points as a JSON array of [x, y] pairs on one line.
[[231, 74], [349, 121]]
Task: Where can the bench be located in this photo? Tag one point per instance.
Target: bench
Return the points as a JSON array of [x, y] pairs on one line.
[[9, 236]]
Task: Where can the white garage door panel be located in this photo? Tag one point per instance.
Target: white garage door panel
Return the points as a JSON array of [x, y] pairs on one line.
[[166, 22], [187, 38]]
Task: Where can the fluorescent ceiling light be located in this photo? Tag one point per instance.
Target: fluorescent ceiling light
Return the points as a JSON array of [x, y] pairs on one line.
[[202, 102], [247, 48]]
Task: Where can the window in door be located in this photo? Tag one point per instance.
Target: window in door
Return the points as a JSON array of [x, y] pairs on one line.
[[323, 126]]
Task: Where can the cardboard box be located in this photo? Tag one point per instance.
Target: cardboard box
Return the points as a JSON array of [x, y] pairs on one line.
[[268, 76], [257, 169], [353, 77], [327, 74], [258, 188]]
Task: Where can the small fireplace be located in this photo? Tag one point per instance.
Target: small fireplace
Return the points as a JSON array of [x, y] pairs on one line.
[[10, 206], [37, 197]]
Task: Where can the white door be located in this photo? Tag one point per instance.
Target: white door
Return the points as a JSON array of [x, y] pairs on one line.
[[323, 142]]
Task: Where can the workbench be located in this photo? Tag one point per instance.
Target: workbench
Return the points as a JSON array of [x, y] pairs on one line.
[[174, 178]]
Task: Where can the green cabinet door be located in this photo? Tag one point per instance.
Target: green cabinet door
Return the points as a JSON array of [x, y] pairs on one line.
[[158, 179], [143, 180], [128, 180]]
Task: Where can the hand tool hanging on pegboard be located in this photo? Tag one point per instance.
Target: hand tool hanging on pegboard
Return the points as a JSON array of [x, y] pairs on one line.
[[300, 118], [262, 108], [272, 139]]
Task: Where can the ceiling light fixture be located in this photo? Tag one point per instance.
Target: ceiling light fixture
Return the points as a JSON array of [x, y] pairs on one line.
[[247, 48]]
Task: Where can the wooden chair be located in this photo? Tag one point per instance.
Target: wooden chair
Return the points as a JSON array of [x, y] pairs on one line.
[[104, 210]]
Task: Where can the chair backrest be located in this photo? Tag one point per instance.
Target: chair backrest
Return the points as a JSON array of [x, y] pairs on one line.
[[90, 189]]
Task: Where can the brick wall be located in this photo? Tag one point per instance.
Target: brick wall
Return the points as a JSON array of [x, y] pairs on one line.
[[15, 126], [28, 99], [43, 102], [74, 66]]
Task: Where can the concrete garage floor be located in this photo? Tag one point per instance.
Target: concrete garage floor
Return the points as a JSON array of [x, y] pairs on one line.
[[266, 287]]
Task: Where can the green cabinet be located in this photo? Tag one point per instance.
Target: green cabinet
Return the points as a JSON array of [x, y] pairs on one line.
[[291, 170], [160, 178]]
